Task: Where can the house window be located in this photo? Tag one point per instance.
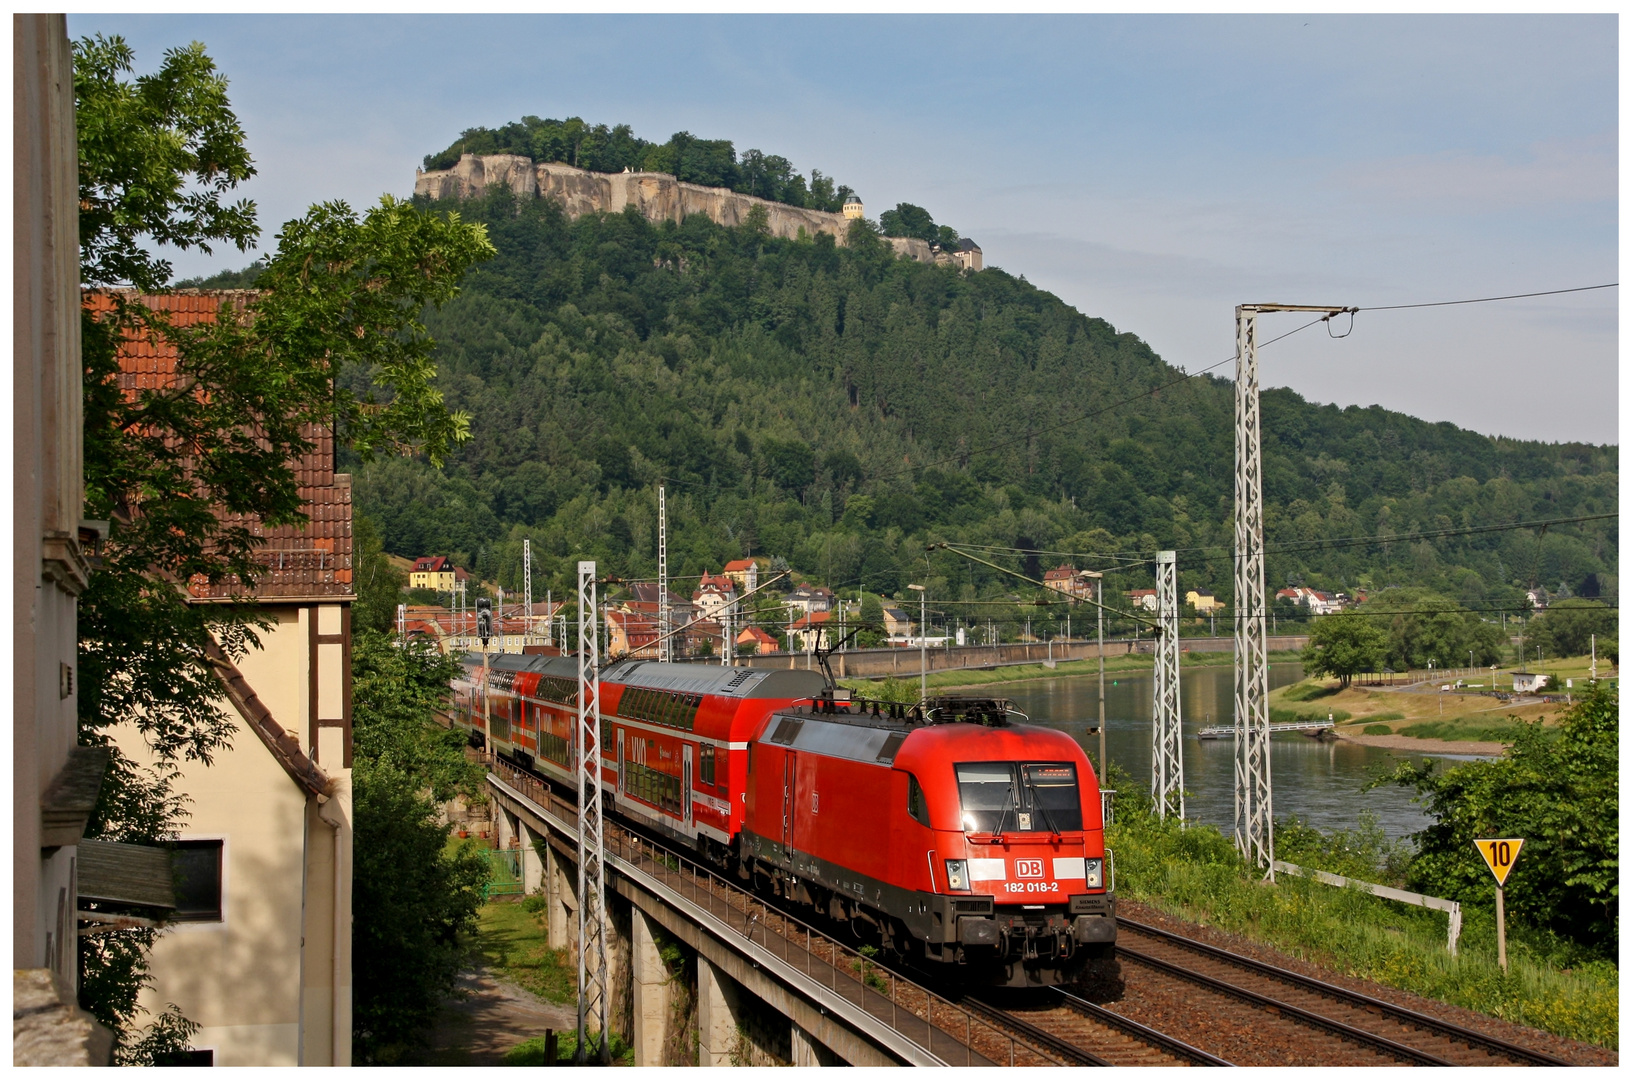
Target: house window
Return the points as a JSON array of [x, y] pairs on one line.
[[197, 865]]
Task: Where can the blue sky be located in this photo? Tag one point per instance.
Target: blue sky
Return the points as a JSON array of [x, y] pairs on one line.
[[1153, 171]]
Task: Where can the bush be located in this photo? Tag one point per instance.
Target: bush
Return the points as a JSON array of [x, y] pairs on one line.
[[1377, 729], [1561, 794]]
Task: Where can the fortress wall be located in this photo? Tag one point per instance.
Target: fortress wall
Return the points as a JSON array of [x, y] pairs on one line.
[[658, 196]]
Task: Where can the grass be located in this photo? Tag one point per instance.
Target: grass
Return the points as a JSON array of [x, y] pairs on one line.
[[1451, 717], [534, 1052], [510, 936], [1195, 873], [1465, 731]]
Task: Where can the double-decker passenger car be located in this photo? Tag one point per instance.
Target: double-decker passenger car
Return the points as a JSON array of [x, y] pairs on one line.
[[967, 842]]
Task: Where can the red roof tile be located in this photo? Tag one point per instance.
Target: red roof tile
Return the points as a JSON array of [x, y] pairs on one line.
[[309, 560]]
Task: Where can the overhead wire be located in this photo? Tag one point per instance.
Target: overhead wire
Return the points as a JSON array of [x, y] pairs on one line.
[[1350, 311]]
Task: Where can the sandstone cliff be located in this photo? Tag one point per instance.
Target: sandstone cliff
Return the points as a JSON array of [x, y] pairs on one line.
[[659, 196]]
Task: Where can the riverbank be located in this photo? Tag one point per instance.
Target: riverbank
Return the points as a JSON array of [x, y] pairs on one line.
[[1425, 746], [987, 678]]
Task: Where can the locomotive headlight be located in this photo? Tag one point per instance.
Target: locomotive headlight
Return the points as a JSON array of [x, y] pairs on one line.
[[1094, 872], [957, 873]]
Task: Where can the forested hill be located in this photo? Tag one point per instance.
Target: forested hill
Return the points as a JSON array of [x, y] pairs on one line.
[[839, 408]]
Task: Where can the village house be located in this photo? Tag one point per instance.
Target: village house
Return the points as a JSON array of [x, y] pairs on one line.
[[755, 640], [810, 599], [1318, 602], [645, 596], [260, 956], [1204, 602], [745, 572], [1070, 581], [809, 632], [631, 634], [897, 627], [435, 572], [714, 593], [1142, 598]]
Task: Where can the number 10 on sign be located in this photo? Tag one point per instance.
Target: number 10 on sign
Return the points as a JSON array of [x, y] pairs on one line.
[[1500, 855]]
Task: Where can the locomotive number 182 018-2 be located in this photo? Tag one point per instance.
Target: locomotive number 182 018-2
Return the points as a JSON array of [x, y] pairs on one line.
[[1029, 886]]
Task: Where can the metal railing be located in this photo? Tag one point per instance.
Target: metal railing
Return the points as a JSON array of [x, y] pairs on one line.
[[949, 1032], [504, 873]]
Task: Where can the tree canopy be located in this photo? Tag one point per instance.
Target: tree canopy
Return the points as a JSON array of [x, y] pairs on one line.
[[842, 408], [599, 148], [1344, 646]]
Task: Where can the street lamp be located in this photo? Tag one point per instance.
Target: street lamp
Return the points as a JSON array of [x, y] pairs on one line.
[[923, 646]]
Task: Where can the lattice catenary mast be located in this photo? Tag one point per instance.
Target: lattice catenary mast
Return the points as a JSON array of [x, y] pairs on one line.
[[527, 591], [665, 648], [1167, 737], [1254, 802], [592, 971]]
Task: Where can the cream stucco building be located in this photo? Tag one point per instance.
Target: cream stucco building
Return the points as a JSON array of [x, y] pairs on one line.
[[259, 954]]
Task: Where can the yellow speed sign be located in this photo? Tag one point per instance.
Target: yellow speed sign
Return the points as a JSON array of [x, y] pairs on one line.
[[1499, 855]]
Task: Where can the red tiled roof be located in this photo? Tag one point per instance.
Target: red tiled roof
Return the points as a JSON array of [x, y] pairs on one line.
[[308, 560], [754, 633], [813, 619], [429, 564], [737, 566]]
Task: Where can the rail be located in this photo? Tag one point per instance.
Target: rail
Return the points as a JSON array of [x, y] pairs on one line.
[[1409, 1017], [946, 1032]]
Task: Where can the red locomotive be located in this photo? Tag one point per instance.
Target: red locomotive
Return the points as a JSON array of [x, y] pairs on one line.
[[960, 839]]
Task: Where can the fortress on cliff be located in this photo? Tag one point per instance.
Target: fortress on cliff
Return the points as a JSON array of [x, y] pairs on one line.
[[660, 197]]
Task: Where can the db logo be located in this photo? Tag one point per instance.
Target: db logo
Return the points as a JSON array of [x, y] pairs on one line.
[[1028, 868]]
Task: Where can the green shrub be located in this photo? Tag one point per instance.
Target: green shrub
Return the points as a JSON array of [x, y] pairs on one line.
[[1306, 716], [1452, 731], [1377, 729], [1308, 691], [535, 903], [533, 1052]]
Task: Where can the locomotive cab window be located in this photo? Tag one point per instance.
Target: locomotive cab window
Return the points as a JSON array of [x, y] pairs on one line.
[[1003, 796], [916, 806]]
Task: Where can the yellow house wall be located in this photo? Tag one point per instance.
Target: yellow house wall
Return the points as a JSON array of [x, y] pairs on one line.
[[263, 983]]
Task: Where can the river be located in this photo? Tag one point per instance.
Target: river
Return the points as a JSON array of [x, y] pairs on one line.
[[1319, 781]]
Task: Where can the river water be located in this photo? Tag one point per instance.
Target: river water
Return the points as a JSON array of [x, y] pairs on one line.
[[1316, 780]]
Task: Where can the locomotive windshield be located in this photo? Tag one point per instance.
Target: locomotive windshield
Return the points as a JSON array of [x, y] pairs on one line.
[[1012, 796]]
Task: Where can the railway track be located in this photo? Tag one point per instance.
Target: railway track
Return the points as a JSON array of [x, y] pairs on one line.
[[1093, 1035], [1380, 1028]]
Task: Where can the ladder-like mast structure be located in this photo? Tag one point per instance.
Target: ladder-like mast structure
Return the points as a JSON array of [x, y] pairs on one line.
[[1254, 799], [665, 648], [1167, 736], [593, 990]]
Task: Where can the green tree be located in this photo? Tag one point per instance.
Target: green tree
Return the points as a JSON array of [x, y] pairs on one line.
[[872, 613], [909, 220], [1344, 646], [1567, 627], [376, 583], [158, 156], [1561, 795]]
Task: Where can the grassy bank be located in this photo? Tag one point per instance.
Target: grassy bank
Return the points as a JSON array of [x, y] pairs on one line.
[[1421, 714], [1195, 873], [510, 937], [904, 686]]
